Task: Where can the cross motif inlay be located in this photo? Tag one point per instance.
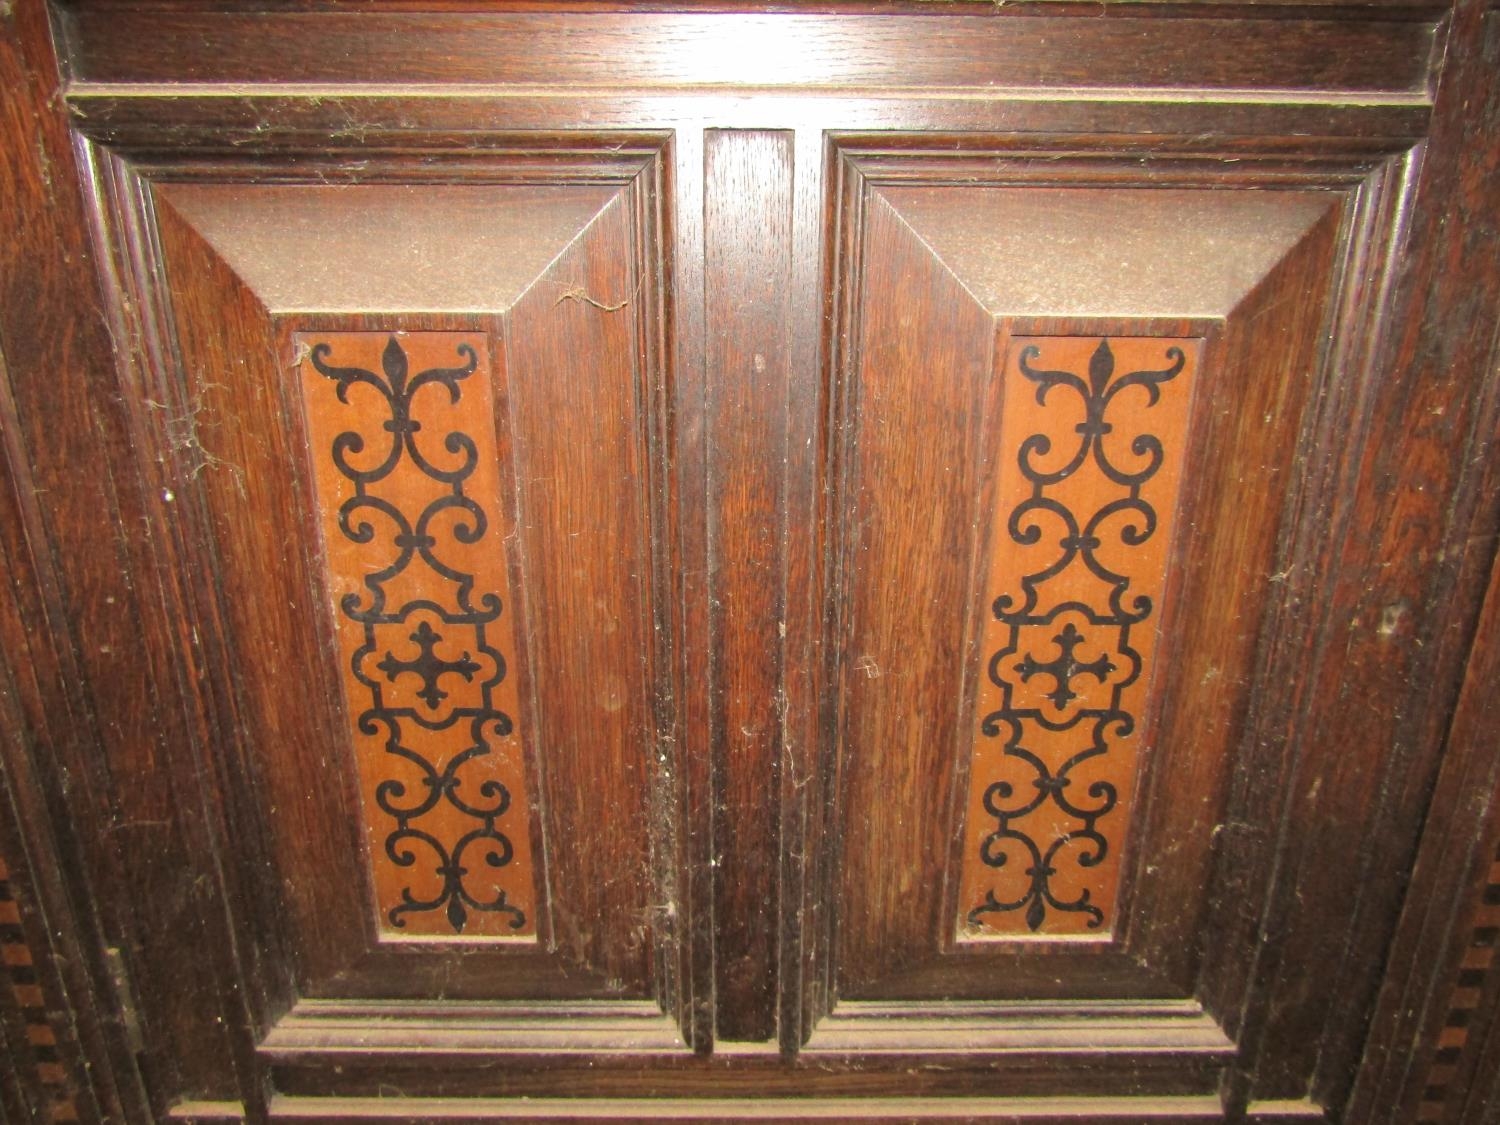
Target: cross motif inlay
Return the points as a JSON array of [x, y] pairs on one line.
[[428, 665], [1064, 667]]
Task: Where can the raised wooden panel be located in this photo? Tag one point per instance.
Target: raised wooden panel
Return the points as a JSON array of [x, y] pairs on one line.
[[1051, 588], [1090, 452], [418, 424], [407, 478]]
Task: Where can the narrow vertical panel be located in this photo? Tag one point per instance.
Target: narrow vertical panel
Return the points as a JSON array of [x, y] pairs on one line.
[[690, 749], [805, 910], [747, 220], [1092, 441], [407, 477]]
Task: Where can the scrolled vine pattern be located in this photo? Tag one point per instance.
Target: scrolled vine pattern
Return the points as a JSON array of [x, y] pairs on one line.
[[427, 664], [1061, 677]]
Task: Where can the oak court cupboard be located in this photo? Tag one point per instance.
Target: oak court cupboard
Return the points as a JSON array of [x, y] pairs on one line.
[[675, 561]]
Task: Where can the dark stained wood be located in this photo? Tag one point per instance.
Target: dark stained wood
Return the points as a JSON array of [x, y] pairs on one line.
[[1108, 1050], [576, 354], [1231, 584], [232, 477], [806, 936], [919, 388], [746, 278], [109, 46], [747, 236], [1394, 592], [1222, 254], [45, 976], [79, 559], [1186, 132], [842, 1111], [1424, 1059], [688, 741]]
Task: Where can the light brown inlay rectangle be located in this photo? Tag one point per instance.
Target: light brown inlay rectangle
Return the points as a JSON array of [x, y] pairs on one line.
[[405, 460], [1091, 448]]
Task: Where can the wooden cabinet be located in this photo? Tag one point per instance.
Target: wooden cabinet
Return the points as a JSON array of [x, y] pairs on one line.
[[577, 561]]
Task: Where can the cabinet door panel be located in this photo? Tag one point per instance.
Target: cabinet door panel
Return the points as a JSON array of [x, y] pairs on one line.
[[419, 424], [1055, 571]]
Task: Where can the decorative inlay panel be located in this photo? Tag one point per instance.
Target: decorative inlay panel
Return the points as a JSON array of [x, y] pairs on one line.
[[406, 463], [1090, 458], [1461, 1038], [37, 1060]]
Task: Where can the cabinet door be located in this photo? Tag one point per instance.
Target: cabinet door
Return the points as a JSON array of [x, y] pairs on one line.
[[756, 564], [1070, 416], [411, 445]]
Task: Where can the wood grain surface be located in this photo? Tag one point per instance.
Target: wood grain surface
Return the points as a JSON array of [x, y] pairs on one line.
[[747, 219], [1385, 51], [747, 288]]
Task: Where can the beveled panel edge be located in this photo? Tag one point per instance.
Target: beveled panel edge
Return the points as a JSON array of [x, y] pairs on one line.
[[1177, 1027], [315, 249], [207, 1113], [1164, 263], [1288, 1112]]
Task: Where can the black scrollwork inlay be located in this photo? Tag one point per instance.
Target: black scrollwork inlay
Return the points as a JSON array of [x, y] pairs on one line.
[[1044, 636], [449, 637]]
